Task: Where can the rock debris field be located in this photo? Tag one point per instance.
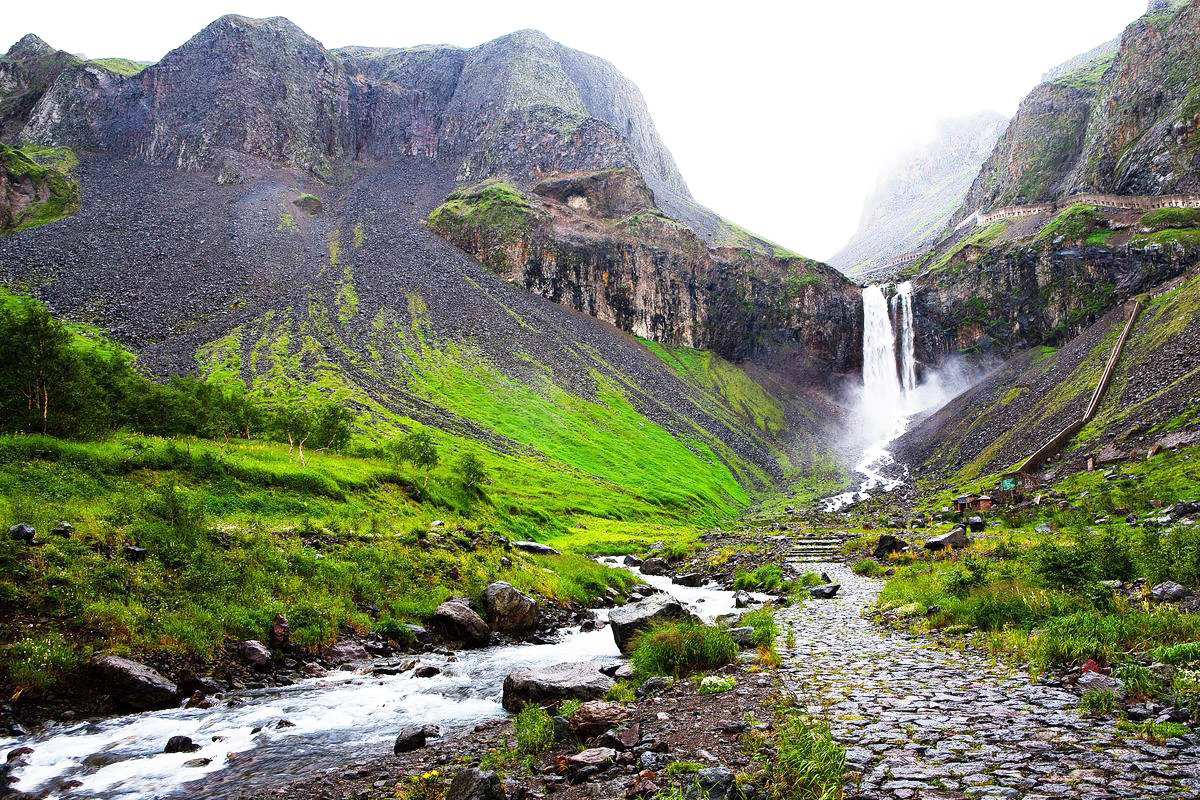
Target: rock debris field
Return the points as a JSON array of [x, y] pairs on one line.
[[922, 721]]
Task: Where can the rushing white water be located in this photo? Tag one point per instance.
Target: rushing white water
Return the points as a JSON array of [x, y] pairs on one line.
[[881, 384], [888, 396], [335, 719], [908, 360]]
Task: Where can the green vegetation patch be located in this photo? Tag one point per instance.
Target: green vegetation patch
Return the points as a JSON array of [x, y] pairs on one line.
[[121, 66], [493, 215], [1090, 74], [681, 648], [48, 171], [1073, 224], [1164, 218]]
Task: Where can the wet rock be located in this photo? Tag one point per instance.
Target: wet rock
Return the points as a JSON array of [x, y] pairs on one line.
[[627, 621], [1168, 592], [655, 566], [426, 671], [475, 784], [652, 686], [134, 685], [690, 579], [313, 670], [346, 651], [280, 632], [22, 532], [413, 737], [632, 561], [181, 744], [198, 762], [956, 538], [597, 716], [508, 609], [535, 547], [255, 653], [713, 783], [552, 685], [888, 544], [457, 621], [825, 592], [591, 760], [744, 635], [197, 699], [1098, 681], [742, 599]]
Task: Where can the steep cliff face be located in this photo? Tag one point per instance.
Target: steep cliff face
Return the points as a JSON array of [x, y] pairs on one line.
[[1040, 280], [595, 242], [1123, 123], [916, 196], [26, 71]]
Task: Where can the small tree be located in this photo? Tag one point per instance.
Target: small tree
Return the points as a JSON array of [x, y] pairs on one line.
[[331, 425], [417, 448], [471, 475], [292, 419]]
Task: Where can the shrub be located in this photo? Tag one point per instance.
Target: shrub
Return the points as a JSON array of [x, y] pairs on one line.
[[715, 684], [470, 474], [808, 762], [868, 567], [568, 708], [1112, 555], [1097, 702], [1139, 681], [768, 577], [680, 648], [765, 627], [969, 574], [1063, 567], [534, 729], [622, 692], [38, 661]]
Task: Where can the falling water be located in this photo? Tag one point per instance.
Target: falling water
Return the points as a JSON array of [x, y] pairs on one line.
[[881, 385], [908, 362], [886, 399]]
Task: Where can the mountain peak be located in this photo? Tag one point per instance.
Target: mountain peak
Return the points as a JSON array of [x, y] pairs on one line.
[[29, 45]]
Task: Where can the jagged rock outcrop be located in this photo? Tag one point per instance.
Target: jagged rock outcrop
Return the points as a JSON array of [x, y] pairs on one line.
[[1126, 124], [915, 196], [595, 242], [26, 71]]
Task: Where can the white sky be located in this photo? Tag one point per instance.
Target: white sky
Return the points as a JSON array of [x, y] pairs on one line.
[[778, 114]]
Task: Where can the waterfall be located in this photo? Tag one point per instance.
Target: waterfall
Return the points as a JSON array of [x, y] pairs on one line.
[[881, 384], [908, 361]]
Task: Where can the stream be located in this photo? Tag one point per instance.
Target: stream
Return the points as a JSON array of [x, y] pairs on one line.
[[335, 719]]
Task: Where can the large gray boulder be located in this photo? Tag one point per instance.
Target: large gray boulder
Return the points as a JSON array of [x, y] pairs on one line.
[[475, 784], [1168, 592], [133, 685], [255, 653], [456, 620], [551, 685], [627, 621], [655, 566], [509, 609], [956, 538], [537, 548]]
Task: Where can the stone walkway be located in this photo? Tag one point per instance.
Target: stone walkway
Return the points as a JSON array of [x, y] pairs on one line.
[[923, 721]]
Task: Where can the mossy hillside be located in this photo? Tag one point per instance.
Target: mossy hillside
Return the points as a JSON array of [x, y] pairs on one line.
[[494, 212], [48, 170], [1073, 224], [734, 235], [1163, 218], [121, 66], [588, 472]]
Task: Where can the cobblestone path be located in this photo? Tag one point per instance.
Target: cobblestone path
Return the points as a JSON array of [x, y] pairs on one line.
[[923, 721]]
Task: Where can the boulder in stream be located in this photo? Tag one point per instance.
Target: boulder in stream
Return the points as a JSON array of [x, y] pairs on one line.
[[456, 620], [655, 566], [413, 737], [627, 621], [509, 609], [181, 744], [346, 650], [134, 685], [255, 653], [689, 579], [551, 685]]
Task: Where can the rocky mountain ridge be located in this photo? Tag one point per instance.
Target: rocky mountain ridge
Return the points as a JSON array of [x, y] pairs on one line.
[[916, 195], [1122, 123]]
